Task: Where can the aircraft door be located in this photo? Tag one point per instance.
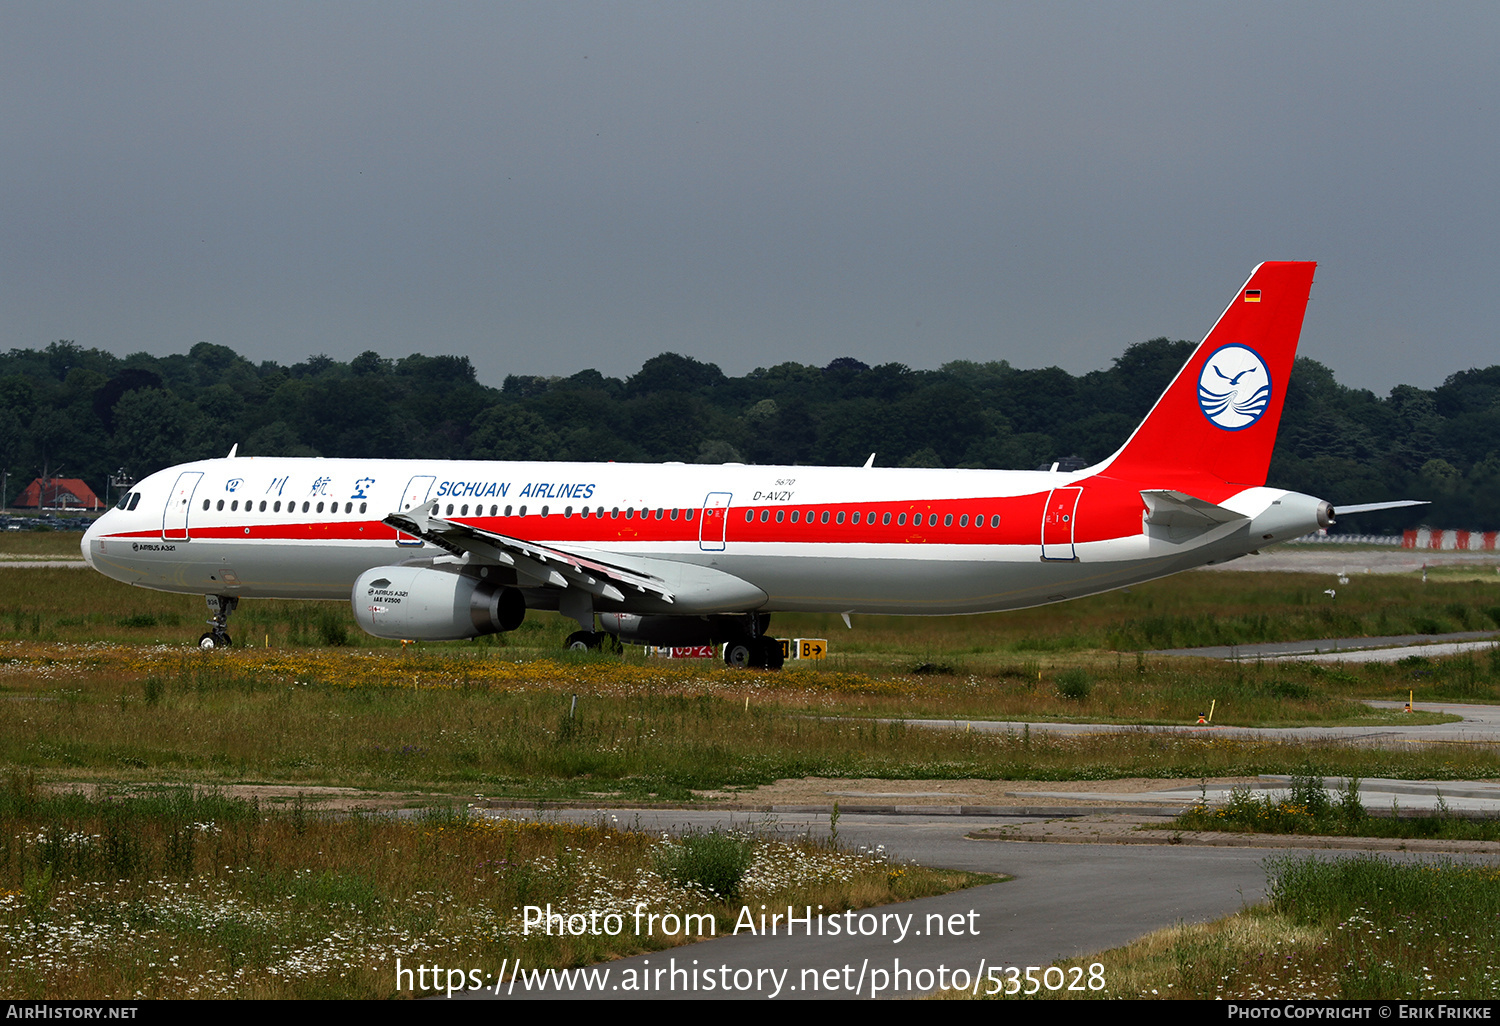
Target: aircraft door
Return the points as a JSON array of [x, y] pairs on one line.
[[1058, 521], [713, 522], [174, 518], [414, 495]]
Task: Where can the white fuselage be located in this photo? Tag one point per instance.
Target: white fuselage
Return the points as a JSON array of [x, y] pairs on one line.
[[792, 538]]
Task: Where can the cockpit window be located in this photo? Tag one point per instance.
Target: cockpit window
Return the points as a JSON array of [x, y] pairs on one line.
[[135, 499], [124, 502]]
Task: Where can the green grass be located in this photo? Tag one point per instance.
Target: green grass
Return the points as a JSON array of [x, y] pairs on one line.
[[1188, 610], [1307, 809], [463, 723], [176, 893], [103, 683]]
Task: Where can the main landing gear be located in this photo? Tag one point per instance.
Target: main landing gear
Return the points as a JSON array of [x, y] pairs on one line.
[[218, 634], [590, 641], [752, 648]]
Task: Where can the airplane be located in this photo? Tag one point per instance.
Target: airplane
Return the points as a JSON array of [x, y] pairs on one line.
[[674, 554]]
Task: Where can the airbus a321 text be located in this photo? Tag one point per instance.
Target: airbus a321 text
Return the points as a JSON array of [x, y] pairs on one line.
[[678, 555]]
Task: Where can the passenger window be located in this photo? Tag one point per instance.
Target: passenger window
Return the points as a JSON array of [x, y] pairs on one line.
[[688, 515], [661, 514], [749, 515], [854, 519], [765, 515], [567, 512], [995, 520], [521, 512], [276, 507], [901, 520], [507, 511], [795, 515], [320, 508], [545, 509], [234, 506], [780, 515], [885, 520], [614, 514], [363, 506], [221, 504], [449, 513], [841, 516], [932, 520], [307, 505], [262, 505], [824, 518], [674, 514], [963, 521], [463, 510], [629, 512]]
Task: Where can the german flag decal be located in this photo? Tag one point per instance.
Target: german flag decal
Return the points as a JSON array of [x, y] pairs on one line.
[[1252, 295]]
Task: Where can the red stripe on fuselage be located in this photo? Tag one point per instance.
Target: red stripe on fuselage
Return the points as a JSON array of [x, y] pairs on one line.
[[1107, 509]]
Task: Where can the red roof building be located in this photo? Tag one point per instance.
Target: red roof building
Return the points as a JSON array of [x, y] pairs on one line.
[[58, 493]]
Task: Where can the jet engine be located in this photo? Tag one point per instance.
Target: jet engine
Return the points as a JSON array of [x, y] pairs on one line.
[[425, 604]]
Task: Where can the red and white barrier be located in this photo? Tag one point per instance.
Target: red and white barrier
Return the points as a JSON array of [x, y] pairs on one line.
[[1452, 541]]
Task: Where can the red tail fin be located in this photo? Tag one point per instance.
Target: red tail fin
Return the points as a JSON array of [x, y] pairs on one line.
[[1216, 423]]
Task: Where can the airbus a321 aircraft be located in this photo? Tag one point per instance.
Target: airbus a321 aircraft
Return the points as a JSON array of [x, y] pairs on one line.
[[689, 555]]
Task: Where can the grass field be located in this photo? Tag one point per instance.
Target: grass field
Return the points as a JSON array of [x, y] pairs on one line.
[[174, 893], [105, 684], [1307, 809]]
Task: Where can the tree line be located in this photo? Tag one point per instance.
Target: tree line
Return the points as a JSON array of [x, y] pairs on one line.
[[86, 413]]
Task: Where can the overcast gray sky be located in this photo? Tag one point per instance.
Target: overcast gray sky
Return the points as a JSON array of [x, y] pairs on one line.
[[552, 186]]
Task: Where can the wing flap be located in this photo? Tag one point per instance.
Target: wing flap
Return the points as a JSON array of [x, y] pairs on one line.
[[549, 566]]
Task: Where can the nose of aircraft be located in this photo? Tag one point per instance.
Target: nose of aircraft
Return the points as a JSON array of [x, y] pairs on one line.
[[88, 536]]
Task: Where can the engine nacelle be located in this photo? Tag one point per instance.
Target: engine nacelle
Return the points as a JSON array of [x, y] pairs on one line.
[[423, 604]]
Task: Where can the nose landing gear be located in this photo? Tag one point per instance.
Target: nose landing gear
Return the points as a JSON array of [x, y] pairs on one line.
[[218, 634]]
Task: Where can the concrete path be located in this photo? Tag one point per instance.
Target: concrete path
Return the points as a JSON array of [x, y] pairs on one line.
[[1388, 648], [1480, 725]]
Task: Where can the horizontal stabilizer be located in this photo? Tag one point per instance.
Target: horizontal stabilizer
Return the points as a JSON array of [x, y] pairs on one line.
[[1179, 510], [1371, 507], [542, 564]]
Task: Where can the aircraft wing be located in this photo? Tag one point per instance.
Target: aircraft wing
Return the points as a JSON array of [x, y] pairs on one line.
[[537, 565]]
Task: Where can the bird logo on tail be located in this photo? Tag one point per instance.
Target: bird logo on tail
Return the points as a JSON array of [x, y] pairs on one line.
[[1234, 388]]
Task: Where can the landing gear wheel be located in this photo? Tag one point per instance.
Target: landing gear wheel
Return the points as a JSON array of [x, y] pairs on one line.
[[585, 641], [214, 639], [773, 654], [742, 653]]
